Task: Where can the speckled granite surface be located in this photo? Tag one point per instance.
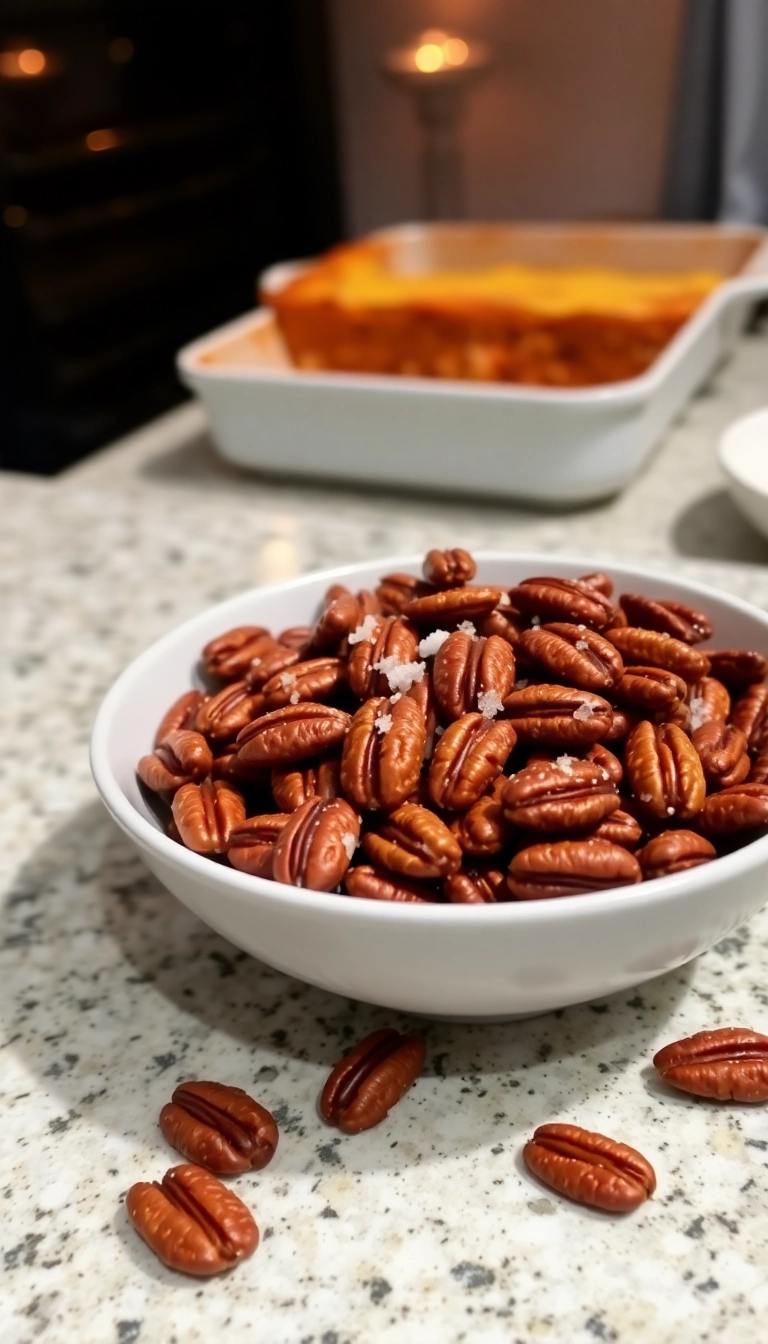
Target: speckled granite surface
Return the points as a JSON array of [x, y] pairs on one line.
[[427, 1228]]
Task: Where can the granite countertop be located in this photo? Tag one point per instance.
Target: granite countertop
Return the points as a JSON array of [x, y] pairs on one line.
[[428, 1227]]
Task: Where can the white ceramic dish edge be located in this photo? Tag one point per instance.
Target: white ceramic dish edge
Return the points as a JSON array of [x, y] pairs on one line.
[[743, 441]]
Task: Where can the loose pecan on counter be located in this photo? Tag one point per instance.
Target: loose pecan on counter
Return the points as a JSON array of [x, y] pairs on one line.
[[192, 1221], [371, 1079], [590, 1168]]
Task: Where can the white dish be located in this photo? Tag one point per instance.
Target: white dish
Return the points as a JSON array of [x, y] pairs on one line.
[[546, 445], [447, 961], [743, 453]]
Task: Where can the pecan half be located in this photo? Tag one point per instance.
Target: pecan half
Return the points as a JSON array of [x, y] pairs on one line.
[[723, 753], [600, 755], [392, 638], [415, 842], [230, 654], [383, 751], [651, 648], [738, 668], [742, 807], [449, 569], [295, 637], [590, 1168], [292, 785], [674, 852], [664, 771], [553, 599], [375, 884], [597, 579], [395, 591], [559, 716], [206, 815], [222, 716], [568, 795], [707, 701], [504, 622], [750, 714], [220, 1128], [371, 1079], [472, 674], [669, 618], [315, 679], [262, 670], [293, 733], [182, 756], [180, 715], [574, 653], [453, 605], [729, 1064], [467, 759], [477, 886], [621, 828], [337, 620], [252, 843], [483, 829], [570, 868], [192, 1221], [315, 847], [652, 690]]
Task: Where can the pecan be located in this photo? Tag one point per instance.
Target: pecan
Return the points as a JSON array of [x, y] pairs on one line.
[[392, 638], [227, 765], [674, 852], [484, 829], [292, 785], [505, 623], [252, 843], [600, 755], [723, 753], [669, 618], [415, 842], [295, 637], [570, 868], [293, 733], [383, 751], [602, 582], [222, 716], [559, 716], [220, 1128], [738, 668], [569, 795], [651, 648], [590, 1168], [758, 772], [375, 884], [621, 725], [453, 605], [334, 623], [315, 847], [728, 1064], [652, 690], [422, 693], [230, 655], [192, 1221], [552, 599], [180, 715], [707, 701], [371, 1079], [182, 756], [664, 771], [574, 653], [476, 886], [621, 828], [467, 759], [449, 569], [315, 679], [742, 807], [750, 714], [206, 814], [262, 670], [395, 591], [470, 674]]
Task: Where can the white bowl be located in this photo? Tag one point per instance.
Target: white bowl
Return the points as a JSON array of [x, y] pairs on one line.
[[743, 453], [445, 961]]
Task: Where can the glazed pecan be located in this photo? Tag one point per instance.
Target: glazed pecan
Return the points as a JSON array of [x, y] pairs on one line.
[[227, 765], [742, 807], [337, 620], [559, 716], [467, 759], [723, 753], [315, 847], [181, 757], [391, 637], [737, 668], [252, 843], [476, 886], [395, 591], [222, 716], [553, 599], [472, 674], [504, 622], [621, 725], [292, 785], [262, 670], [570, 868], [316, 679], [423, 695], [192, 1221], [674, 852], [600, 755], [383, 751], [620, 828], [758, 772], [707, 701], [449, 569], [568, 795], [728, 1064], [371, 1079], [750, 714], [230, 655], [574, 653], [180, 715], [376, 884], [415, 842], [453, 605], [484, 830], [220, 1128], [206, 815], [652, 648], [293, 733], [669, 618], [590, 1168], [597, 579], [664, 772], [295, 637], [651, 690]]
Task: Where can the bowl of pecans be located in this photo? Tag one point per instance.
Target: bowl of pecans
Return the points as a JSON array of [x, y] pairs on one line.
[[461, 786]]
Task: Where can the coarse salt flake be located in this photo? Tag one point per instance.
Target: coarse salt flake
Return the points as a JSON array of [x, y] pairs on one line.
[[401, 676], [349, 841], [697, 709], [466, 628], [565, 763], [581, 627], [287, 679], [489, 703], [439, 731], [521, 683], [431, 643], [670, 811], [536, 621], [366, 630], [294, 698], [582, 644], [584, 711], [383, 723], [646, 797]]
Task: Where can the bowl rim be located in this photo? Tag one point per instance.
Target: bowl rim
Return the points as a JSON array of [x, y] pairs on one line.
[[588, 906], [728, 450]]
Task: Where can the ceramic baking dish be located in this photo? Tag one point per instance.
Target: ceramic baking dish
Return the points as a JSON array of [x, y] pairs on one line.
[[545, 445]]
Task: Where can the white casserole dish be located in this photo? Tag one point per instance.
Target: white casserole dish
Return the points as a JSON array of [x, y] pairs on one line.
[[543, 445]]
